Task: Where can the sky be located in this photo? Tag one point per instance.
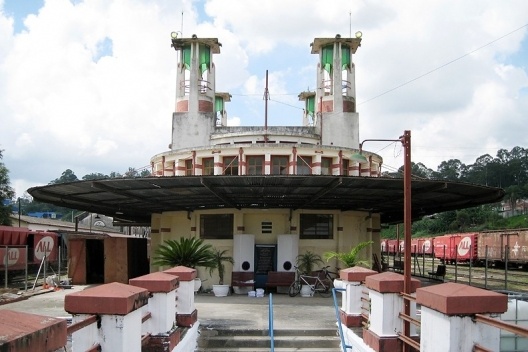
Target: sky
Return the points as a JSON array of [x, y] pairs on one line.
[[89, 85]]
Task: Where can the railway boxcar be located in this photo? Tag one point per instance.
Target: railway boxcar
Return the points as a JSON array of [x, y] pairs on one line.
[[390, 246], [460, 247], [422, 245], [13, 242], [504, 245]]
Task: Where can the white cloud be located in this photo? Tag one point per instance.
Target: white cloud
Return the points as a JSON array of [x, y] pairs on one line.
[[89, 86]]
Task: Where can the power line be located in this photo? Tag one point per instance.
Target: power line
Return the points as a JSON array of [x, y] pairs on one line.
[[442, 66]]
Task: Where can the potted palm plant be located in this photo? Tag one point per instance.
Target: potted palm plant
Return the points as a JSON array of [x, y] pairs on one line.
[[306, 263], [351, 258], [220, 258], [348, 259], [190, 252]]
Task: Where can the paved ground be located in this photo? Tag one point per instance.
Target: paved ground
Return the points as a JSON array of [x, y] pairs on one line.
[[243, 312], [236, 311]]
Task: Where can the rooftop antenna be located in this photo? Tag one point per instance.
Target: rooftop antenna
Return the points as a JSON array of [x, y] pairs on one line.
[[266, 98], [350, 24], [181, 31]]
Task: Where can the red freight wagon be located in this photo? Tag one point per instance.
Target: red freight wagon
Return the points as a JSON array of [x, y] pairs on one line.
[[422, 245], [461, 247], [512, 242], [13, 242], [389, 246]]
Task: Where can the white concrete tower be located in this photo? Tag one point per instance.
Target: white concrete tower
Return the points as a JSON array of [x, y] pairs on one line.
[[195, 117], [336, 117]]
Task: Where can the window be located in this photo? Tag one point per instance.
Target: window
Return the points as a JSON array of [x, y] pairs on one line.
[[216, 226], [279, 165], [326, 166], [255, 165], [208, 166], [188, 167], [304, 165], [314, 226], [231, 165], [345, 166]]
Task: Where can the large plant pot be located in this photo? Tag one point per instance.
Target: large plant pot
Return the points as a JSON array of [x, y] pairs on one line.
[[197, 284], [306, 291], [221, 290], [338, 283]]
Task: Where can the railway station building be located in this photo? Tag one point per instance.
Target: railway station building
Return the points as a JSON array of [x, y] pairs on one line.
[[265, 193]]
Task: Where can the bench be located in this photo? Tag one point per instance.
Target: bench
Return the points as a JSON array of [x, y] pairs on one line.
[[280, 278], [398, 266], [440, 273], [243, 279]]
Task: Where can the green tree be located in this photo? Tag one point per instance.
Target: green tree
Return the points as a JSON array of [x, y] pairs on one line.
[[67, 176], [95, 176], [6, 193]]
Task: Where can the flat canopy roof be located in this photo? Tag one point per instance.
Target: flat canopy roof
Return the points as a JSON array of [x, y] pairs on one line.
[[136, 199]]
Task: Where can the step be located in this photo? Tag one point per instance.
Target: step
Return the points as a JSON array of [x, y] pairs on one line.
[[266, 349], [264, 341], [209, 331], [321, 340]]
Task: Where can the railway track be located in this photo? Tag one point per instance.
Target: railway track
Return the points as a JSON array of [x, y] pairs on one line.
[[511, 279]]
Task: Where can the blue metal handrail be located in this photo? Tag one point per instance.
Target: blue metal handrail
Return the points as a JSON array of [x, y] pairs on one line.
[[270, 323], [345, 346]]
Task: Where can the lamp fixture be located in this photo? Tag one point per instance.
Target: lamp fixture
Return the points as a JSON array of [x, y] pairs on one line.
[[359, 157], [174, 35], [405, 140], [359, 34]]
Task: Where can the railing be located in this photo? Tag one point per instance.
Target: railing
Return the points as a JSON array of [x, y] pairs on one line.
[[408, 320], [203, 86], [365, 308], [92, 319], [340, 326], [145, 338], [270, 323], [499, 324]]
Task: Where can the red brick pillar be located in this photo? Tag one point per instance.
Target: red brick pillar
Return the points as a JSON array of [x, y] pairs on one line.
[[186, 313]]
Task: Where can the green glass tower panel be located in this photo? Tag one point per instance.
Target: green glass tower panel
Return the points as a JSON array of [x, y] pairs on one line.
[[219, 104], [345, 56], [186, 52], [328, 57], [205, 58], [310, 105]]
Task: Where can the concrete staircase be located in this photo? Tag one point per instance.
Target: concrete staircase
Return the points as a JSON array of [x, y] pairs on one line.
[[229, 340]]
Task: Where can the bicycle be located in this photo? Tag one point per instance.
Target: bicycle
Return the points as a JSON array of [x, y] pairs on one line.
[[322, 287]]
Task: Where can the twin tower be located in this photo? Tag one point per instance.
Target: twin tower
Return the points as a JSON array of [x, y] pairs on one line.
[[330, 117]]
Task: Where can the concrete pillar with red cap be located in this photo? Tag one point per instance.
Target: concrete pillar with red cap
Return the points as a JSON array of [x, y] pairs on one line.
[[25, 332], [386, 303], [161, 307], [447, 312], [118, 307], [353, 279], [186, 313]]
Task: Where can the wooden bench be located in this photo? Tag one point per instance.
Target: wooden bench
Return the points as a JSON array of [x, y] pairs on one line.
[[280, 279], [243, 279]]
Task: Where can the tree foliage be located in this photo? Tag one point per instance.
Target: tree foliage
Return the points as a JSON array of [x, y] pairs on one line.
[[6, 193]]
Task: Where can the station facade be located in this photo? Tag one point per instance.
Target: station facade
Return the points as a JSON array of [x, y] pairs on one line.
[[323, 144]]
